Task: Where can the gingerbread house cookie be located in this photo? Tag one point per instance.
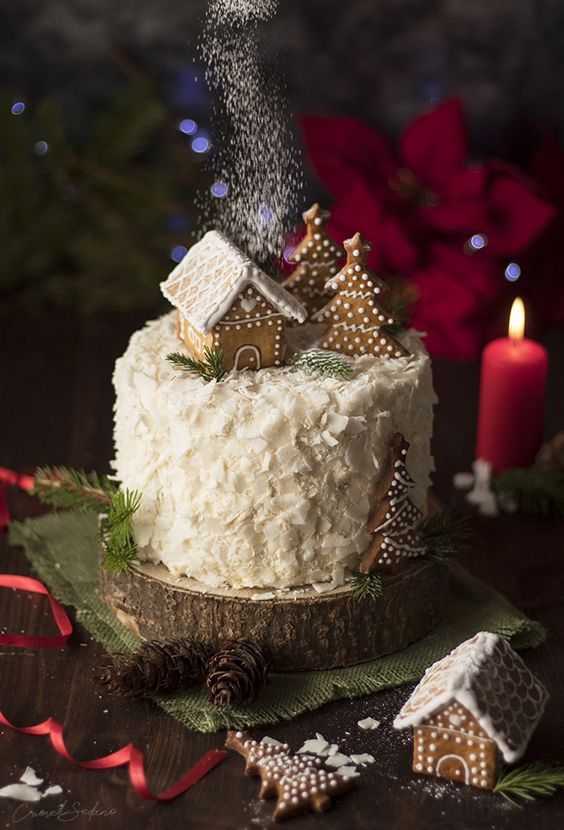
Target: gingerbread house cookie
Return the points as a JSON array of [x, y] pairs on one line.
[[317, 258], [473, 709], [224, 300]]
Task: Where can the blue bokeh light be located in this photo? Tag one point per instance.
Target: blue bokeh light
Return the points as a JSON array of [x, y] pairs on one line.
[[18, 107], [266, 215], [40, 148], [178, 253], [200, 144], [219, 190], [288, 251], [478, 241], [188, 126], [512, 272]]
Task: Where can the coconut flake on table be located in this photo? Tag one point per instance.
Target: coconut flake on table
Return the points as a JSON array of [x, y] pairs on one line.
[[337, 760], [27, 788], [363, 758], [369, 723], [20, 792], [348, 772], [316, 745], [29, 777]]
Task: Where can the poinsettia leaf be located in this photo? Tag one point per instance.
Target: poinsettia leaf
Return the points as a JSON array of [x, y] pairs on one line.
[[435, 145], [455, 292], [344, 150], [516, 214]]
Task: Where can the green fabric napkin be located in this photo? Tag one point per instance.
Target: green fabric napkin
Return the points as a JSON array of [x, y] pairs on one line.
[[63, 549]]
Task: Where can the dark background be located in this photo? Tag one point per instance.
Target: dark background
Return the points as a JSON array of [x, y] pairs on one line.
[[106, 84], [382, 60], [86, 233]]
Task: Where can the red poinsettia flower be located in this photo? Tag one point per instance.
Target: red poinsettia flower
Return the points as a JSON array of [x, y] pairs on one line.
[[448, 226]]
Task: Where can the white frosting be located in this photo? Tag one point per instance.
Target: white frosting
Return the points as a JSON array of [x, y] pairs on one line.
[[266, 479]]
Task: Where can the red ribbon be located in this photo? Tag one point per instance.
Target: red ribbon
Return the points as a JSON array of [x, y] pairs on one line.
[[11, 478], [26, 583], [129, 755]]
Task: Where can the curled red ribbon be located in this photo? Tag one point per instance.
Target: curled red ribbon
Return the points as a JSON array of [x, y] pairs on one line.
[[26, 583], [11, 478], [129, 755]]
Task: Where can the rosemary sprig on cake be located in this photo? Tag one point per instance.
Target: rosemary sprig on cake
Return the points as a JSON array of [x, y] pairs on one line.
[[367, 586], [212, 367], [444, 534], [530, 781], [321, 362]]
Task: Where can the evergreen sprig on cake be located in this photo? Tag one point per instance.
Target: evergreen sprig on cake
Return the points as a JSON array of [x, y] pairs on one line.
[[212, 367], [117, 531], [322, 362], [367, 586]]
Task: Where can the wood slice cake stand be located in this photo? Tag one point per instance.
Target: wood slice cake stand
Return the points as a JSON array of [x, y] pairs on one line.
[[299, 630]]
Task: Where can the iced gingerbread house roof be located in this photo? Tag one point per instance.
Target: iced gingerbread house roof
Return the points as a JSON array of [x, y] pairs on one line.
[[205, 283], [491, 681]]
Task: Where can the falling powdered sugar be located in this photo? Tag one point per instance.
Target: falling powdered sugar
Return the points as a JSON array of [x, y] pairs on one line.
[[253, 155], [246, 10]]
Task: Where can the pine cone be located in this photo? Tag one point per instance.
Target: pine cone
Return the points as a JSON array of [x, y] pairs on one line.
[[236, 674], [157, 667]]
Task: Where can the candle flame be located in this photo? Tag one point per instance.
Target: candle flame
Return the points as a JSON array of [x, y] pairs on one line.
[[517, 320]]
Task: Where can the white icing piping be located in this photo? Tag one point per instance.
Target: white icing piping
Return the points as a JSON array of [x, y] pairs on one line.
[[248, 319]]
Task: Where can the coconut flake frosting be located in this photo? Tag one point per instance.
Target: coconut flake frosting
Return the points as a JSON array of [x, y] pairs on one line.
[[265, 480]]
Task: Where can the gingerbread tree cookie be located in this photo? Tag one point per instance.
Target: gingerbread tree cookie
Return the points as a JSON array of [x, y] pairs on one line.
[[316, 257], [357, 321], [295, 780], [394, 524]]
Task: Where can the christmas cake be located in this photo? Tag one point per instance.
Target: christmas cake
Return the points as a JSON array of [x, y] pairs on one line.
[[267, 479], [279, 467]]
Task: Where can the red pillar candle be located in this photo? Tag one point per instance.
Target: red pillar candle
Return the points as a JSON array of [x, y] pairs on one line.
[[512, 395]]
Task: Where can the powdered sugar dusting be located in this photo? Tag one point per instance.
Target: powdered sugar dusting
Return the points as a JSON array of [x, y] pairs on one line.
[[253, 152], [245, 11]]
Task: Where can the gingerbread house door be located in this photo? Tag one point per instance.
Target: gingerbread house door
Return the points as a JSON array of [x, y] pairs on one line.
[[453, 767], [247, 357]]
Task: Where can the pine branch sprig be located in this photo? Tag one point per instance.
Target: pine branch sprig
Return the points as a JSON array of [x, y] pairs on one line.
[[212, 367], [537, 491], [117, 531], [321, 362], [73, 489], [530, 781], [367, 586], [444, 535]]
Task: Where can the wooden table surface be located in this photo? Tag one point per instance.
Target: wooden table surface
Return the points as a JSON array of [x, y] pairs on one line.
[[56, 402]]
